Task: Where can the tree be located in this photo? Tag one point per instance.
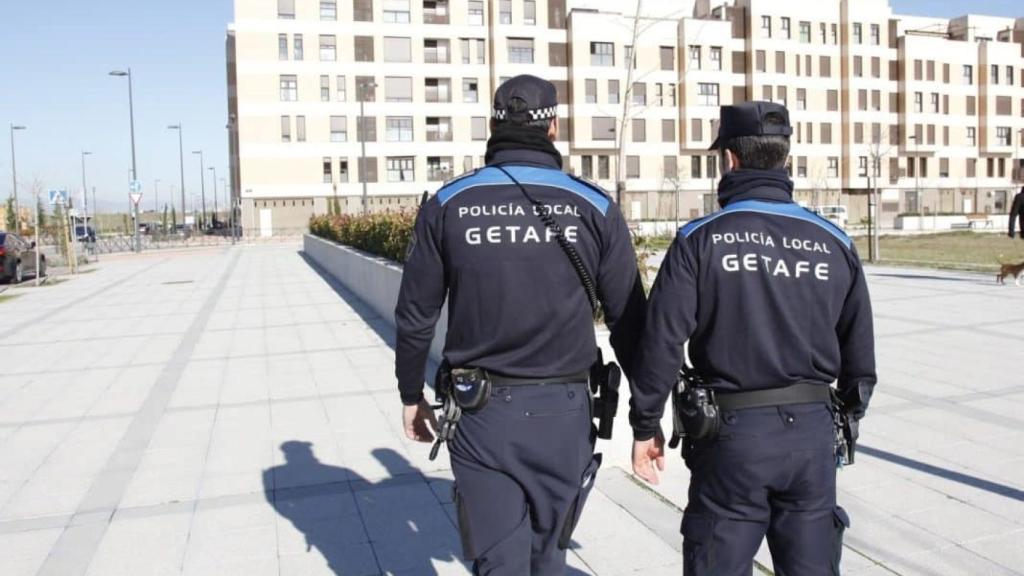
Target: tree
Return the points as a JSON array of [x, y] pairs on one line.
[[11, 217], [174, 218], [60, 230], [163, 221], [40, 212]]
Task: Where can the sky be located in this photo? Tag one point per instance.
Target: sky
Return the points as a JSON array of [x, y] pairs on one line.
[[55, 56]]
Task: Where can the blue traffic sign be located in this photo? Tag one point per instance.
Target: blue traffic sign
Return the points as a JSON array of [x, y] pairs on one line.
[[135, 186], [58, 197]]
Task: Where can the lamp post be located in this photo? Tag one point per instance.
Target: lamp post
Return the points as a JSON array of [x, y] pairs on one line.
[[214, 170], [361, 93], [917, 172], [14, 179], [131, 119], [156, 196], [181, 168], [202, 184]]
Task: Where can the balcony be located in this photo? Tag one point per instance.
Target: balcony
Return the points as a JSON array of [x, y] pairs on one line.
[[439, 135]]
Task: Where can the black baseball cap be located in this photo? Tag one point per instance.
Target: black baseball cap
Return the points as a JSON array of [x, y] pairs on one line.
[[525, 98], [748, 119]]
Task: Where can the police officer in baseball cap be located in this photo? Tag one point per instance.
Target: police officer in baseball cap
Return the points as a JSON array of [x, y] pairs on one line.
[[773, 303], [524, 254]]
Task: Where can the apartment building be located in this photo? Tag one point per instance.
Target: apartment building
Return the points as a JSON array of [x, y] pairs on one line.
[[328, 98]]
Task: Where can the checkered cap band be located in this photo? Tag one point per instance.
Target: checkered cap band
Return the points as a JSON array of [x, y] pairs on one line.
[[538, 114]]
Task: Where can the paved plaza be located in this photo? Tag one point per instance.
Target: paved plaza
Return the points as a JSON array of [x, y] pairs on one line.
[[233, 411]]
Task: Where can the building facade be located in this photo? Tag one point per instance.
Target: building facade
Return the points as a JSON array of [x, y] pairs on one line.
[[331, 97]]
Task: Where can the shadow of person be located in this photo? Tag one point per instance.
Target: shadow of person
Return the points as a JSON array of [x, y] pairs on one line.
[[395, 525]]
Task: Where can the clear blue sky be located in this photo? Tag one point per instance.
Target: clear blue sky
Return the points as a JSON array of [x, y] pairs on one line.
[[55, 58]]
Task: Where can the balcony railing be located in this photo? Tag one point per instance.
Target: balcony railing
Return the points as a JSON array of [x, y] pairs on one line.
[[435, 18], [439, 136], [438, 174]]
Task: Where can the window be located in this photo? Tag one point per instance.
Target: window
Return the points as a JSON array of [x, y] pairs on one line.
[[668, 130], [480, 52], [832, 100], [342, 169], [602, 54], [400, 169], [339, 88], [716, 58], [876, 67], [712, 166], [438, 89], [300, 128], [604, 167], [825, 67], [362, 11], [1009, 75], [397, 89], [505, 11], [862, 166], [876, 100], [439, 168], [972, 135], [858, 33], [602, 128], [669, 168], [760, 61], [707, 94], [668, 57], [286, 129], [299, 47], [943, 167], [328, 48], [968, 74], [558, 54], [590, 91], [613, 92], [529, 12], [876, 35], [470, 90], [935, 102], [766, 26], [289, 88], [329, 10], [632, 166], [780, 62], [328, 167], [694, 58], [476, 13], [364, 48], [325, 88], [971, 105], [801, 167], [286, 9], [367, 128], [786, 31], [805, 32], [1003, 136], [833, 167], [659, 94], [858, 67], [695, 167], [801, 99], [671, 94], [835, 34], [339, 129], [368, 169], [918, 102], [826, 133], [435, 11], [397, 49], [639, 126], [479, 128], [823, 32], [396, 11], [520, 50], [639, 94], [282, 46], [587, 166], [630, 56], [994, 79], [398, 129], [439, 129]]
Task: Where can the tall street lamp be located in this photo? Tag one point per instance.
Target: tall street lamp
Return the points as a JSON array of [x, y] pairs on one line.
[[214, 170], [156, 196], [361, 93], [202, 184], [131, 115], [14, 179], [181, 167]]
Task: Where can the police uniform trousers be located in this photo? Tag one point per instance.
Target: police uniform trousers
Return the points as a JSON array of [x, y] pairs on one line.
[[523, 467], [771, 472]]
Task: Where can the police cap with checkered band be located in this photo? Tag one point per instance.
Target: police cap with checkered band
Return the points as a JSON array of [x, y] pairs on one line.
[[525, 98], [752, 119]]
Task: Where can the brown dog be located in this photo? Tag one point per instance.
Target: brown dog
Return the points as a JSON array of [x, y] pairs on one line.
[[1016, 270]]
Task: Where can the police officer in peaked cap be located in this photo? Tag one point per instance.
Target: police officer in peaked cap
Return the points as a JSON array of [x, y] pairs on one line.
[[773, 303], [512, 247]]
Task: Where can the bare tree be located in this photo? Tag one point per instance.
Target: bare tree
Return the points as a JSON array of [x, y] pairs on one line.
[[878, 150]]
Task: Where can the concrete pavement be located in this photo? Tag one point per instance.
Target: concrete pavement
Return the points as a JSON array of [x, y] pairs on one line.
[[231, 411]]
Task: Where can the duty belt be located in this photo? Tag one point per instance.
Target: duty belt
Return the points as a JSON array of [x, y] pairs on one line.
[[577, 378], [793, 394]]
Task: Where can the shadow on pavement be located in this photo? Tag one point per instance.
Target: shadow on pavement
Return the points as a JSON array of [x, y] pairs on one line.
[[973, 481], [931, 277], [320, 501]]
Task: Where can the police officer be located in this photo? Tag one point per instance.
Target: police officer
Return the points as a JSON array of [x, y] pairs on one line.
[[774, 305], [520, 318]]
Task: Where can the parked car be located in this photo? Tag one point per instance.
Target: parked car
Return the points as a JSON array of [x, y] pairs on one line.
[[837, 214], [19, 257], [85, 233]]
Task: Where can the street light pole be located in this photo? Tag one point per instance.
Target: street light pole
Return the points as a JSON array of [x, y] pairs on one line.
[[361, 92], [156, 196], [131, 120], [181, 167], [214, 170], [14, 180], [202, 185]]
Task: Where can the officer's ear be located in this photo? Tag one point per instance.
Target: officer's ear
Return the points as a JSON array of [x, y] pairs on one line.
[[553, 129], [730, 161]]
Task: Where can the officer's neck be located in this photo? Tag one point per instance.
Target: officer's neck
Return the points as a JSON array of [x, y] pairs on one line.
[[523, 156], [745, 184]]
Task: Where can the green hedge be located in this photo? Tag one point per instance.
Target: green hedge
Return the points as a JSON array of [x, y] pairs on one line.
[[385, 234]]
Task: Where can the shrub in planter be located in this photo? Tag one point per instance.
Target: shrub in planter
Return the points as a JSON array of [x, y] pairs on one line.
[[385, 234]]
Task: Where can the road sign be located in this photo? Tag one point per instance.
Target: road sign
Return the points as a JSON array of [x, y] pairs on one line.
[[135, 186], [58, 197], [135, 196]]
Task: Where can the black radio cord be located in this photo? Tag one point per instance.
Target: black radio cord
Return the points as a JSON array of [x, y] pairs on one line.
[[570, 251]]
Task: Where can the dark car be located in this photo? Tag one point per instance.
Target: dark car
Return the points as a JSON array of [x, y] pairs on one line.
[[19, 257], [85, 233]]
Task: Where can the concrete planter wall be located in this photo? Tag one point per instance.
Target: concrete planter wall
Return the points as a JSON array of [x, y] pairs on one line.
[[948, 222], [374, 280]]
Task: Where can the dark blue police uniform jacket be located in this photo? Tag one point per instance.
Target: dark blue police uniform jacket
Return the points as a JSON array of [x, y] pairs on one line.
[[767, 293], [516, 306]]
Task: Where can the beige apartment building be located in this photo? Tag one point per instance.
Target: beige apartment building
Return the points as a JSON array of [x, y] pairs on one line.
[[327, 97]]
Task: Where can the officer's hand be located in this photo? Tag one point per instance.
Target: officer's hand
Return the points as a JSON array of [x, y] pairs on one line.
[[416, 419], [646, 455]]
